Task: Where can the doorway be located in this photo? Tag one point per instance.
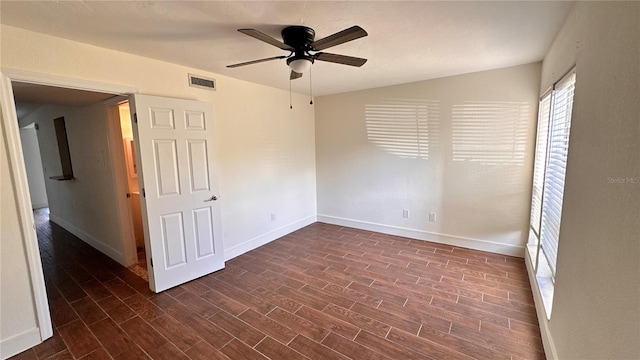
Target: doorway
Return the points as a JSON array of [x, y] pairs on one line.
[[23, 205], [180, 212], [203, 247], [133, 189], [89, 204]]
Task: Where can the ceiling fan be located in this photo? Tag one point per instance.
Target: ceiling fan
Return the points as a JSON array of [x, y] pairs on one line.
[[299, 40]]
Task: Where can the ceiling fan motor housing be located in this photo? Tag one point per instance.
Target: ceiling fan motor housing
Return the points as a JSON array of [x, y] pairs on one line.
[[300, 39]]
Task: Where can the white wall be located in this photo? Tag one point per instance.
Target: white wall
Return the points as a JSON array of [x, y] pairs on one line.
[[266, 163], [33, 165], [17, 309], [86, 205], [469, 161], [265, 152], [596, 309]]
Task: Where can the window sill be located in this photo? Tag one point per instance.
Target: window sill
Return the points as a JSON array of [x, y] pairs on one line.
[[545, 284], [544, 275], [544, 278]]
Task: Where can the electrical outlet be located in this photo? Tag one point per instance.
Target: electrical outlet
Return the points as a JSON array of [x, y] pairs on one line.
[[432, 217], [273, 216], [405, 213]]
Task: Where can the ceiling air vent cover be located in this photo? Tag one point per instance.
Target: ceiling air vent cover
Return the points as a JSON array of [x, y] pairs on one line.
[[202, 82]]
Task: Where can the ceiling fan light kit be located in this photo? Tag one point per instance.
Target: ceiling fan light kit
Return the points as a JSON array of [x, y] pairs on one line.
[[299, 66]]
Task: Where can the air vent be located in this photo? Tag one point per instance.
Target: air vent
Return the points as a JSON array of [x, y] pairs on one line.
[[202, 82]]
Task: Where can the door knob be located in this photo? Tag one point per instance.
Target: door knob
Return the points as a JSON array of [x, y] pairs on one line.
[[213, 198]]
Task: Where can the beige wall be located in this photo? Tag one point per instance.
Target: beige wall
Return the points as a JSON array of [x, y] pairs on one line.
[[596, 310], [265, 152], [460, 147], [259, 140]]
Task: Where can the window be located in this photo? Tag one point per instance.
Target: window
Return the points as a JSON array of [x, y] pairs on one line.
[[552, 148], [539, 164]]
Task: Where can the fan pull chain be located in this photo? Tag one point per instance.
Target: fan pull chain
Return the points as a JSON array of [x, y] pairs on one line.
[[290, 104], [310, 89]]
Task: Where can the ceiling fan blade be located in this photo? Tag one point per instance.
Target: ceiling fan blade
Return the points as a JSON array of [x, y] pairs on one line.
[[266, 38], [256, 61], [294, 75], [352, 33], [340, 59]]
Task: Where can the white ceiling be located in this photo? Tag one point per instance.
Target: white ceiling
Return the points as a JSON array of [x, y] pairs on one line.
[[408, 40]]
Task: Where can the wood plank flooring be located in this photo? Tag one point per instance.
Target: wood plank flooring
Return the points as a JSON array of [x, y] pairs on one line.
[[323, 292]]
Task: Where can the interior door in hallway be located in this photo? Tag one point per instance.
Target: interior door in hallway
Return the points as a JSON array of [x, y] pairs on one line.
[[180, 211]]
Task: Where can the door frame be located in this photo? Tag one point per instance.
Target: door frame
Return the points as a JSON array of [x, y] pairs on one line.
[[19, 177]]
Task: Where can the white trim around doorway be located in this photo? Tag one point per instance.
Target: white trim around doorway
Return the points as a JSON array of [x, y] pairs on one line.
[[9, 121]]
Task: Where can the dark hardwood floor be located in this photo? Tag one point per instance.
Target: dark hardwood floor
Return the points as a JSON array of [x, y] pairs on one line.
[[323, 292]]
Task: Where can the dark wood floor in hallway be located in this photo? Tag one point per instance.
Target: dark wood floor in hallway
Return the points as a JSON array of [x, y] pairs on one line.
[[323, 292]]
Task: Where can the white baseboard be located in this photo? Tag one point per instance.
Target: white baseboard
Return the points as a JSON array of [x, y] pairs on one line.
[[547, 341], [97, 244], [476, 244], [266, 238], [19, 343]]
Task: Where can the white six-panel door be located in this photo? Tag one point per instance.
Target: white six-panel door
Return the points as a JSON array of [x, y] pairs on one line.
[[181, 213]]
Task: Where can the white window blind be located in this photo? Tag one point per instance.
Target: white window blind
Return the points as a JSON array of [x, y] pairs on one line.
[[540, 162], [558, 146]]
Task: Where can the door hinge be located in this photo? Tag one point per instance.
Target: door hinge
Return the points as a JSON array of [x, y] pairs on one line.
[[128, 195], [143, 193], [135, 118], [151, 261], [36, 126]]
